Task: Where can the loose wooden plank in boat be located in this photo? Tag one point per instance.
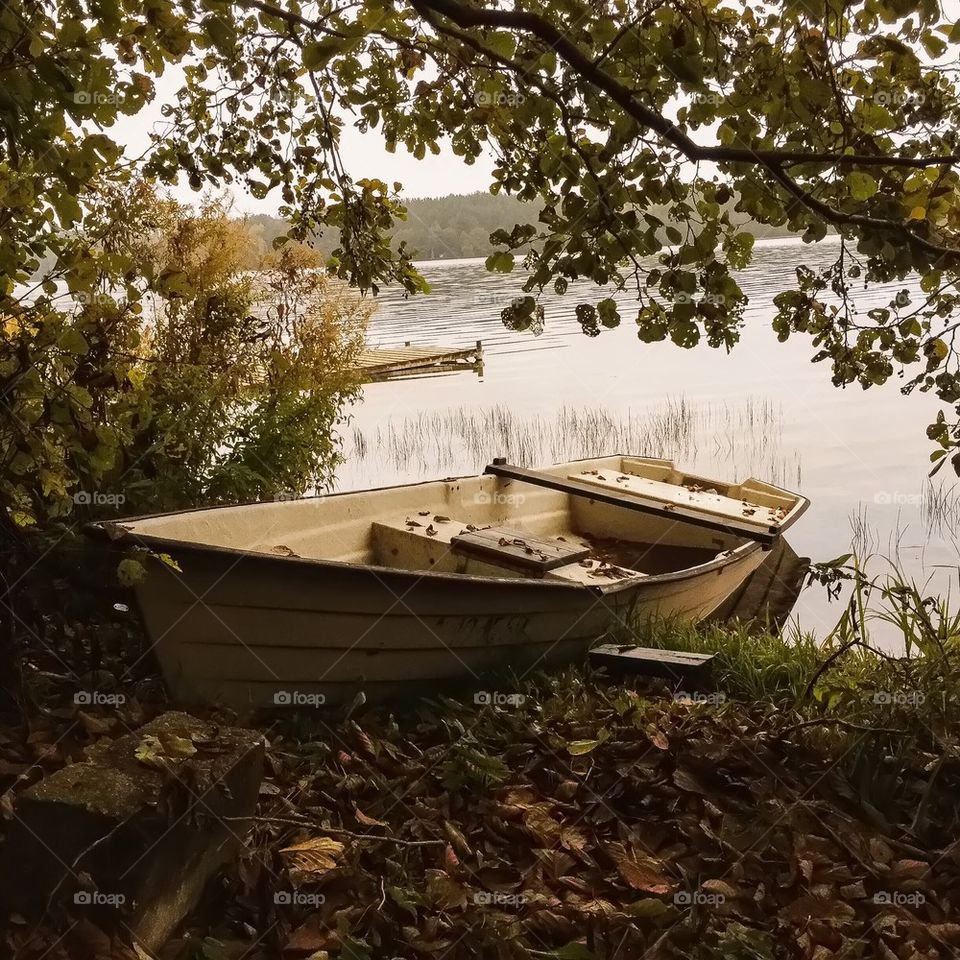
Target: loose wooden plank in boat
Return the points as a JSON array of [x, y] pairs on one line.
[[518, 550], [632, 501], [692, 668], [675, 495]]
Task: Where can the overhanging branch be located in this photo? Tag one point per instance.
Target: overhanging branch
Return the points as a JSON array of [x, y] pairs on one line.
[[775, 162]]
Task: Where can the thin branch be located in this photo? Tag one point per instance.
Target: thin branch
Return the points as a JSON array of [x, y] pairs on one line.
[[337, 831], [846, 724]]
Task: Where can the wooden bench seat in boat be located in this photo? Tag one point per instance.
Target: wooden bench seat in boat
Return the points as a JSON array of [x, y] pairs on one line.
[[709, 501], [531, 555], [449, 546]]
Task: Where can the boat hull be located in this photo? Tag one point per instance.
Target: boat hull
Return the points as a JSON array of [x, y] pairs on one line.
[[251, 631]]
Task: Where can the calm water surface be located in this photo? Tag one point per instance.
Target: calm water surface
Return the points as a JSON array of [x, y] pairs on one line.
[[764, 410]]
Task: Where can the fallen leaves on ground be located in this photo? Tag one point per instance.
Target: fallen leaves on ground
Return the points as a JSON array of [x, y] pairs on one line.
[[459, 831], [673, 828]]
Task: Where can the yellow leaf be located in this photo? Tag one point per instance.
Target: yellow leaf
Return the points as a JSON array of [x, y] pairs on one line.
[[918, 213], [312, 858], [161, 751], [644, 874], [538, 821]]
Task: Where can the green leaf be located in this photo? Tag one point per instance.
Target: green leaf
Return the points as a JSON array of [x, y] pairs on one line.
[[647, 908], [173, 282], [862, 185], [318, 53], [73, 341], [355, 950], [131, 572], [500, 262], [609, 315], [403, 899], [838, 561], [571, 951], [502, 43]]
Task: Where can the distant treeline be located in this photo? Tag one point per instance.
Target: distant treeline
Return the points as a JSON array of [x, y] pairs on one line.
[[446, 228]]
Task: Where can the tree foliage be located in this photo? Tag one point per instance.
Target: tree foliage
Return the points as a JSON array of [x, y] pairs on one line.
[[808, 117]]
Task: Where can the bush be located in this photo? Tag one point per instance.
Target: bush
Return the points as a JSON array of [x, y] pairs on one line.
[[193, 370]]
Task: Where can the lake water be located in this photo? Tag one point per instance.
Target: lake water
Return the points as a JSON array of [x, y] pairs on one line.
[[763, 409]]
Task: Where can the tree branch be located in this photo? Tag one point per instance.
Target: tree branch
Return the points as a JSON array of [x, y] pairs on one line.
[[544, 30], [774, 161]]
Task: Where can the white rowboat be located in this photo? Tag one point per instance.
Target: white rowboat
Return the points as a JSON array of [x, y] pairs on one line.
[[392, 591]]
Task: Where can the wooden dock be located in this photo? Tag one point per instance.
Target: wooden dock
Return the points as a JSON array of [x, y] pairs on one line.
[[408, 361]]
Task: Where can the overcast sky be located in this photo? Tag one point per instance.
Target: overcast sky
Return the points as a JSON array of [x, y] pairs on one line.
[[364, 156]]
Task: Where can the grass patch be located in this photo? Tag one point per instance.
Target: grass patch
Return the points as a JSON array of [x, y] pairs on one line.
[[749, 666], [884, 717]]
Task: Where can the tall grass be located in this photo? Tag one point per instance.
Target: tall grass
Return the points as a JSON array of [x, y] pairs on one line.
[[440, 442], [886, 721], [843, 678]]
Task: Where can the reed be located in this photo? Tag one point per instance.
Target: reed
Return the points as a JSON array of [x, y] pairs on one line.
[[940, 508], [744, 436]]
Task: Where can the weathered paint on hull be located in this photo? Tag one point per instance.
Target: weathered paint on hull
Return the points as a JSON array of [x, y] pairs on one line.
[[244, 630]]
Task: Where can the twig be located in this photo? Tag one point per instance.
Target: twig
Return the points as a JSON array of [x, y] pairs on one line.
[[927, 793], [339, 831], [846, 724], [825, 666]]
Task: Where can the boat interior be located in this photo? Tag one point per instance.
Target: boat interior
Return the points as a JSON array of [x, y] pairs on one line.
[[495, 527]]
